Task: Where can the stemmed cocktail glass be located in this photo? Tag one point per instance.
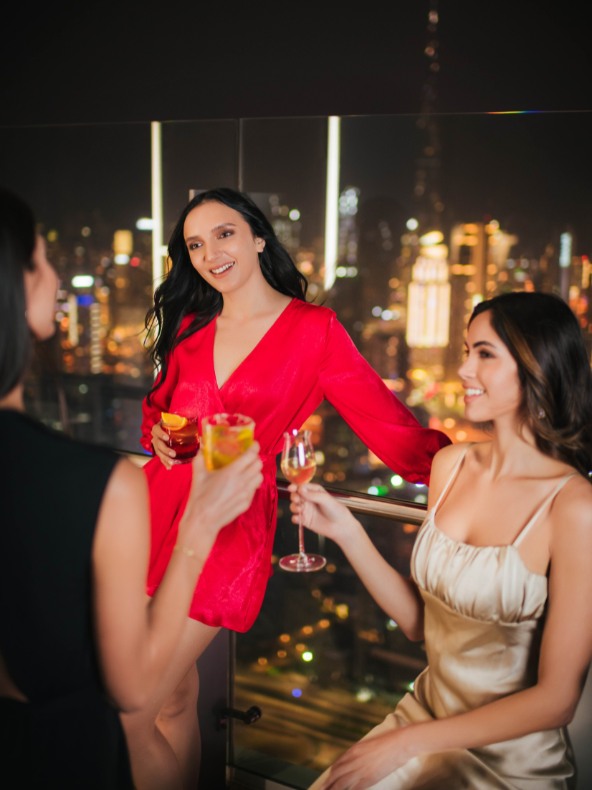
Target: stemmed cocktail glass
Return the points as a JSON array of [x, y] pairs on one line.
[[298, 465]]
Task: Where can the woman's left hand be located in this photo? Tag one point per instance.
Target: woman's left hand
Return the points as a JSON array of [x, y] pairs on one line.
[[368, 761]]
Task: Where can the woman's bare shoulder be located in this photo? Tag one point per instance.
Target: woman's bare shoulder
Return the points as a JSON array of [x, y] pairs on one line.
[[448, 455], [572, 508], [127, 483], [570, 541], [446, 459], [124, 516]]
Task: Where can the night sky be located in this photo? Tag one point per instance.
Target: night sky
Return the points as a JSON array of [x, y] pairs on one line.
[[79, 89]]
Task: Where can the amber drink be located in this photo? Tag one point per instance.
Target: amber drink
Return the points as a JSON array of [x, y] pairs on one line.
[[225, 437]]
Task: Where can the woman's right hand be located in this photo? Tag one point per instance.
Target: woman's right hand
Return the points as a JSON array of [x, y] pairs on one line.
[[321, 512], [161, 448], [218, 497]]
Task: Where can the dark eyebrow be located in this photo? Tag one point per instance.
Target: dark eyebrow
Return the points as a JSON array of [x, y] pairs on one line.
[[480, 343], [214, 229]]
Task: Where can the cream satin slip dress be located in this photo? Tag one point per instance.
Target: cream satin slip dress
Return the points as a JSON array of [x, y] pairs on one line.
[[483, 622]]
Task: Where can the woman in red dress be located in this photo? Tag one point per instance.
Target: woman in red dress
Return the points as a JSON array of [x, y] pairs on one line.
[[236, 334]]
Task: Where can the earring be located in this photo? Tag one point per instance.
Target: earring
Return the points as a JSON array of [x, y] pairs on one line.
[[541, 414]]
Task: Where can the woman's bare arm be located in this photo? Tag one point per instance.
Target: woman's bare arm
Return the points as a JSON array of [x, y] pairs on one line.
[[566, 653], [396, 595], [137, 635]]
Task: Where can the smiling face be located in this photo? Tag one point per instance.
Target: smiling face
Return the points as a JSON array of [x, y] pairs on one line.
[[489, 375], [221, 246]]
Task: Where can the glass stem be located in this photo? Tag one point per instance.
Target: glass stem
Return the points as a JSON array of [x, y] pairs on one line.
[[301, 537]]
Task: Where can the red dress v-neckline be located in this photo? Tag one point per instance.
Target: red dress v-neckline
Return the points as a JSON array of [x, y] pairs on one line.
[[251, 352]]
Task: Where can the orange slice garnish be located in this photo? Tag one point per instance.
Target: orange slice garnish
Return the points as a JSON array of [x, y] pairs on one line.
[[173, 422]]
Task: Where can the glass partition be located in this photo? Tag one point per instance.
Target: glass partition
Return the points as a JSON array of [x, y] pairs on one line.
[[89, 186], [322, 663], [433, 213], [401, 223], [196, 155]]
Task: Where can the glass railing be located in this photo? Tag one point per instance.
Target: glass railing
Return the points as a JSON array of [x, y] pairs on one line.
[[428, 216], [322, 664]]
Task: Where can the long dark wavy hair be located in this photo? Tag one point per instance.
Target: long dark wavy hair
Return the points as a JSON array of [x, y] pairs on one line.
[[184, 291], [543, 335], [17, 243]]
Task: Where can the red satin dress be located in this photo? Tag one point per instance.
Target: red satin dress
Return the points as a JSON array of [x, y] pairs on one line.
[[305, 357]]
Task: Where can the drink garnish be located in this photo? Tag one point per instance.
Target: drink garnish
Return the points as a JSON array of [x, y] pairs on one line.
[[173, 422]]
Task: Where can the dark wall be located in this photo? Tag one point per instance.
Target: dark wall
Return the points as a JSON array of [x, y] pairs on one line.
[[85, 62]]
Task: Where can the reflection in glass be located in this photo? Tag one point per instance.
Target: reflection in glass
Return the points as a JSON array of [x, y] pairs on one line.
[[323, 662], [434, 214]]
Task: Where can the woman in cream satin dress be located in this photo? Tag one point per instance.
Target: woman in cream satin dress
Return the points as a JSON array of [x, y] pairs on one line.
[[501, 585]]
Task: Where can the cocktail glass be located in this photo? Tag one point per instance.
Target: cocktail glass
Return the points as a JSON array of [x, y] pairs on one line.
[[183, 433], [224, 437]]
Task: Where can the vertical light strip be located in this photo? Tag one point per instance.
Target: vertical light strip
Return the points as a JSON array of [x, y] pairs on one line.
[[157, 251], [332, 200], [157, 219]]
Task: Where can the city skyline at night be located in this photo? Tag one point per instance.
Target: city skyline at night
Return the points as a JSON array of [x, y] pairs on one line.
[[242, 98]]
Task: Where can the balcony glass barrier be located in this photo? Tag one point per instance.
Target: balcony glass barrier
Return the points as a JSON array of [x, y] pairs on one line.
[[401, 224], [322, 663]]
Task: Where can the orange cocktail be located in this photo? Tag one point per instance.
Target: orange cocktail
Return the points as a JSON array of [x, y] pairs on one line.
[[224, 437]]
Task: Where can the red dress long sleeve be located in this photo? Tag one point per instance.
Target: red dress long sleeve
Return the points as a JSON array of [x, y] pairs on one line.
[[306, 357]]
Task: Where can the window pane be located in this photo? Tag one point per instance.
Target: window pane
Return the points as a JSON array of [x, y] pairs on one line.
[[89, 186], [323, 662]]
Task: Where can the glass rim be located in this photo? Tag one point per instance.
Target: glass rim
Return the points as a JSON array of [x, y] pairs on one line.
[[229, 419]]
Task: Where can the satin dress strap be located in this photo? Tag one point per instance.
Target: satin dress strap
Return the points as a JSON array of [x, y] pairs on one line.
[[544, 504], [452, 477]]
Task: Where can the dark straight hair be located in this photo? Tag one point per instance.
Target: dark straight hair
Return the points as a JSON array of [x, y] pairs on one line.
[[17, 243]]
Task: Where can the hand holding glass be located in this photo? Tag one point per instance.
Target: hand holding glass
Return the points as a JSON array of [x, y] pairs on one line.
[[298, 465], [183, 435], [225, 437]]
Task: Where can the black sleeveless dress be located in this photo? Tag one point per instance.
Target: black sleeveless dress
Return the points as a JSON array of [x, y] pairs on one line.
[[68, 735]]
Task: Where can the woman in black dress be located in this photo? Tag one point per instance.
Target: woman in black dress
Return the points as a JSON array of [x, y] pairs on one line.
[[79, 638]]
